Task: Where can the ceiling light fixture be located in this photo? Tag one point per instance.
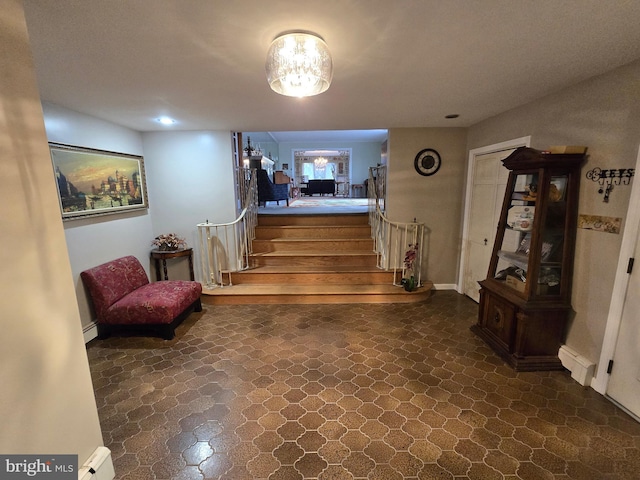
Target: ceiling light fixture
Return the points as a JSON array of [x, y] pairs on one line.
[[320, 162], [299, 64], [166, 120]]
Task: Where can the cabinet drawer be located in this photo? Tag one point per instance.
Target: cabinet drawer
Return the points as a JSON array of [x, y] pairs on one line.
[[499, 320]]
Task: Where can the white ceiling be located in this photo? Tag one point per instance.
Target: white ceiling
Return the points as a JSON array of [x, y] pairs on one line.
[[319, 136], [397, 63]]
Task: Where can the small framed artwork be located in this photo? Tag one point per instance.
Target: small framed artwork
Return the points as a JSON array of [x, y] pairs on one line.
[[285, 166], [96, 182], [600, 223]]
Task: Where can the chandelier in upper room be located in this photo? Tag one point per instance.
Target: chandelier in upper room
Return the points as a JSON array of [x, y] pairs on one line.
[[299, 64], [320, 162]]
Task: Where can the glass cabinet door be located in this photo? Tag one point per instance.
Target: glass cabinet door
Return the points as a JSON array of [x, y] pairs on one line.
[[516, 264], [514, 252], [552, 238]]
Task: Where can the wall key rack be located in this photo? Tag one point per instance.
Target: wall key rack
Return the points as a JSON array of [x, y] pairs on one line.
[[610, 177]]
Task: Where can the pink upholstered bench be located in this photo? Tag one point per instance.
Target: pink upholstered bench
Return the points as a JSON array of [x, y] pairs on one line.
[[124, 300]]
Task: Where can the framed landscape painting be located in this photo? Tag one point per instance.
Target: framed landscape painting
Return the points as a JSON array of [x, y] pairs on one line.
[[97, 182]]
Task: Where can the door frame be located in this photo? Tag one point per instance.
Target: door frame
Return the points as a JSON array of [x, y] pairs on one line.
[[616, 307], [471, 164]]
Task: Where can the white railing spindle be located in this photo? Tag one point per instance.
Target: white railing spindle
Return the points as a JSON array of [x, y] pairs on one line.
[[392, 240], [226, 247]]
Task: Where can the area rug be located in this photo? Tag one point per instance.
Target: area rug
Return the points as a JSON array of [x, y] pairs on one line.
[[317, 206], [328, 202]]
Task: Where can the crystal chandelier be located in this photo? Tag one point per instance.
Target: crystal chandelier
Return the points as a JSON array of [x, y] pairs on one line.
[[299, 65], [320, 162]]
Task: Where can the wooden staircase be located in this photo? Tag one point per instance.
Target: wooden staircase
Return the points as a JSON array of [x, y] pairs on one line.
[[303, 259]]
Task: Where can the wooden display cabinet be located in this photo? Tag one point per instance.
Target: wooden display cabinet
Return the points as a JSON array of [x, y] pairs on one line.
[[525, 301]]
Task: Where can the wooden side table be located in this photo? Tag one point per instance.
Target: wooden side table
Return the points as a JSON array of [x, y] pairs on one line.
[[162, 256]]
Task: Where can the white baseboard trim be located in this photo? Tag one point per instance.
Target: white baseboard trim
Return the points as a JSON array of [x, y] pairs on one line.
[[90, 332], [445, 286], [581, 368]]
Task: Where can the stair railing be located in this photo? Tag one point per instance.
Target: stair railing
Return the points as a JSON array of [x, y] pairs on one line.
[[398, 246], [227, 247]]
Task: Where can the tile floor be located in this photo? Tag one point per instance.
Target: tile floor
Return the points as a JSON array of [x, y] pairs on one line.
[[347, 392]]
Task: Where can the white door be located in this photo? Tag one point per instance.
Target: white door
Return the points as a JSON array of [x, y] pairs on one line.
[[487, 194], [624, 383]]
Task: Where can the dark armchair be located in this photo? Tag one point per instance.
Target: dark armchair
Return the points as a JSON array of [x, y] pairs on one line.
[[269, 191]]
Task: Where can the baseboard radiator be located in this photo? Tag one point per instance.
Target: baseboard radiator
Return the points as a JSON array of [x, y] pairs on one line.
[[581, 368], [89, 332], [99, 466]]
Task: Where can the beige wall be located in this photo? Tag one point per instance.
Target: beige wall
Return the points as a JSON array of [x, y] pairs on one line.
[[604, 114], [436, 200], [46, 399]]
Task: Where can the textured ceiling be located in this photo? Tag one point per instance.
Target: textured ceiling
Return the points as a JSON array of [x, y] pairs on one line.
[[320, 136], [397, 63]]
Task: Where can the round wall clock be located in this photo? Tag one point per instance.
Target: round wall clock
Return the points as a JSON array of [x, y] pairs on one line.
[[427, 162]]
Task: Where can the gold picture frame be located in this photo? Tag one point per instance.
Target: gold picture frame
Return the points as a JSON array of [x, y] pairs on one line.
[[97, 182]]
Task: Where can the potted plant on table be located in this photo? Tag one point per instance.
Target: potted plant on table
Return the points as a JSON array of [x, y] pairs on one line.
[[169, 241]]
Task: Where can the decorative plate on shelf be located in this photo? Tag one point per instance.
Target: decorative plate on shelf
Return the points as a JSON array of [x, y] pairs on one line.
[[427, 162]]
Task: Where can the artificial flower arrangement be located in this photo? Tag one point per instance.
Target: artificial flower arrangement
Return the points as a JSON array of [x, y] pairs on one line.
[[169, 241], [409, 280]]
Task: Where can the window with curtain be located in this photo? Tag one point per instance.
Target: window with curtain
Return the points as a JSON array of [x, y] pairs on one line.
[[318, 172], [321, 164]]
